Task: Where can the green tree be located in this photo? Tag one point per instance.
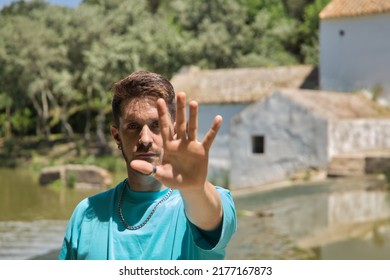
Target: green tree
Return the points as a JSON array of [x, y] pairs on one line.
[[309, 31], [107, 5], [112, 54], [271, 35], [5, 119], [33, 55], [58, 64], [295, 8], [215, 31], [85, 29], [23, 7]]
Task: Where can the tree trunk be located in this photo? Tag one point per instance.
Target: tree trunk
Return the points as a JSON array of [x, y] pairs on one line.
[[66, 125], [87, 129], [38, 128], [8, 128], [102, 141], [62, 111], [45, 115]]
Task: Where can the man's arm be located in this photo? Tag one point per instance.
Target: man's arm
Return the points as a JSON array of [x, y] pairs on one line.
[[203, 206]]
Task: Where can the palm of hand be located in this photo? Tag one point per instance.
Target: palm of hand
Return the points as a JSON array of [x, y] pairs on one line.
[[185, 159], [185, 164]]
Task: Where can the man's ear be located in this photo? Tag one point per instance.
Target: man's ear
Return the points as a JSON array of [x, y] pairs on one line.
[[115, 133]]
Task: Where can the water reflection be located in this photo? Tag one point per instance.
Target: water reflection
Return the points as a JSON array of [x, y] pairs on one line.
[[348, 214], [22, 199], [329, 220], [33, 218], [338, 219]]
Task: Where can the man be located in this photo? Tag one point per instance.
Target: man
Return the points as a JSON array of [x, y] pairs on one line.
[[165, 208]]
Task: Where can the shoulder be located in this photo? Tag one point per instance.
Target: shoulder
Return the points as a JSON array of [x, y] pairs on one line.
[[100, 198], [229, 221], [225, 194], [103, 197], [96, 206], [227, 201], [222, 190]]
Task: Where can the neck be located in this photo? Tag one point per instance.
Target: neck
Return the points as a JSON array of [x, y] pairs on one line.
[[143, 183]]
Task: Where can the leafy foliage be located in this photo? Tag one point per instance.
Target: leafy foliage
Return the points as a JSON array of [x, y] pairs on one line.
[[58, 64]]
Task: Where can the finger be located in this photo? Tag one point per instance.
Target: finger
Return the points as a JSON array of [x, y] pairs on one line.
[[164, 120], [193, 121], [159, 172], [212, 133], [181, 115], [144, 167]]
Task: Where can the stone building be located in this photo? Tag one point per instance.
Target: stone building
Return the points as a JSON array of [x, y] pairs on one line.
[[227, 92], [293, 130], [269, 134]]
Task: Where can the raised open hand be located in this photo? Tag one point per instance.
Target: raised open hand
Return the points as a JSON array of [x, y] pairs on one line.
[[185, 160]]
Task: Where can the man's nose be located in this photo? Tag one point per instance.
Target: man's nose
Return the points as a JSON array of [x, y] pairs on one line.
[[145, 137]]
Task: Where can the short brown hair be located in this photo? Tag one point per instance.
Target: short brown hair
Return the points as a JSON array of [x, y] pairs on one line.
[[142, 84]]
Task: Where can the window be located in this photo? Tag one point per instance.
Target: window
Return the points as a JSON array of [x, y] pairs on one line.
[[258, 142]]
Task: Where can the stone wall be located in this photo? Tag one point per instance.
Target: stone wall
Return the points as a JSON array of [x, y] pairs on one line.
[[295, 139], [346, 136]]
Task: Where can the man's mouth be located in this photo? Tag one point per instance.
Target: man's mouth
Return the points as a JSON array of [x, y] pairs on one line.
[[146, 156]]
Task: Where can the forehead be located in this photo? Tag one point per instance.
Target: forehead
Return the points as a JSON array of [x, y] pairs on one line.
[[139, 109]]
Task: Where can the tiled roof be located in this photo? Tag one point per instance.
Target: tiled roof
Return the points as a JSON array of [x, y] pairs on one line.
[[241, 85], [336, 105], [350, 8]]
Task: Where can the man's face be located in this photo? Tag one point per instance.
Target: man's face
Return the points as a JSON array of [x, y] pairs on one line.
[[139, 132]]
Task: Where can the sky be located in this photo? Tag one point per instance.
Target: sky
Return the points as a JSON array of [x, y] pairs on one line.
[[66, 3]]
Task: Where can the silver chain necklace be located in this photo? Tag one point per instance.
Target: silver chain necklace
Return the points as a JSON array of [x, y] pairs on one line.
[[122, 218]]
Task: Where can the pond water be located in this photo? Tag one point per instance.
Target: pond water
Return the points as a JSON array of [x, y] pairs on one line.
[[33, 218], [338, 219]]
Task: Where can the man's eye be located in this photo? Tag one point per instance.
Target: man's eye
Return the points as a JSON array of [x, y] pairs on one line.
[[132, 126], [155, 125]]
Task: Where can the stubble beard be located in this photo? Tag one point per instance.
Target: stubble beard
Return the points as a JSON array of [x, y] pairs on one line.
[[158, 161]]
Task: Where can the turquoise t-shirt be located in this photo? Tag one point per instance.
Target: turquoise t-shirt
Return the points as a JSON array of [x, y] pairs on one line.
[[95, 231]]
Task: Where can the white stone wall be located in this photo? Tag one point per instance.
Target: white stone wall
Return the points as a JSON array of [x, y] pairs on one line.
[[348, 136], [355, 54], [295, 139]]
